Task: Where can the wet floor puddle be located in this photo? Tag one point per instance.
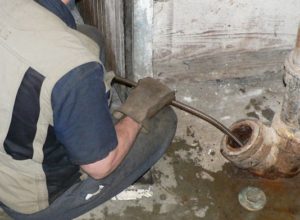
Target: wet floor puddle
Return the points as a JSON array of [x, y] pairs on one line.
[[220, 192]]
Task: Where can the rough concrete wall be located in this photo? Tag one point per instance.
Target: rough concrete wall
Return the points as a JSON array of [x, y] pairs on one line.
[[187, 29]]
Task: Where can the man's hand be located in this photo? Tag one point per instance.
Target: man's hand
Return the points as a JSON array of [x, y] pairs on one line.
[[148, 98]]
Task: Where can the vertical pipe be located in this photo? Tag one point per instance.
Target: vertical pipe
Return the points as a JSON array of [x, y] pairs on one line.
[[290, 113], [296, 56], [298, 38], [142, 36]]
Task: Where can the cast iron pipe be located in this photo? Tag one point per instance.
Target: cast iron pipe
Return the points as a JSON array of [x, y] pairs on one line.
[[272, 151], [190, 110]]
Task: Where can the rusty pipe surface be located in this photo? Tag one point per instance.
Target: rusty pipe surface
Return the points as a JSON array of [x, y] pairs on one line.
[[190, 110], [272, 151], [269, 151]]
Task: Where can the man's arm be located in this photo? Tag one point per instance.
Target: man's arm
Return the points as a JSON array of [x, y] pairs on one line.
[[127, 130], [83, 123], [149, 97]]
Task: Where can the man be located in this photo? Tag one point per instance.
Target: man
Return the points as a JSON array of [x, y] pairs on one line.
[[55, 118]]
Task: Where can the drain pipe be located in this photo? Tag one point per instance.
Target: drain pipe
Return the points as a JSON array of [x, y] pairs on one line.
[[138, 38], [271, 151]]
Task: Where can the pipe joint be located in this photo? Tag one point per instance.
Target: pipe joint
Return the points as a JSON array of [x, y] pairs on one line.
[[259, 152], [269, 152]]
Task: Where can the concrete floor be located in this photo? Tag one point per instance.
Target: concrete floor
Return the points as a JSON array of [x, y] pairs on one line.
[[193, 180]]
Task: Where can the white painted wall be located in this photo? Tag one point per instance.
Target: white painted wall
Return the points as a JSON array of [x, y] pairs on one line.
[[187, 29]]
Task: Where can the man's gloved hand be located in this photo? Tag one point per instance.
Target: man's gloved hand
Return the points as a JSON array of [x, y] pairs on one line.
[[145, 100]]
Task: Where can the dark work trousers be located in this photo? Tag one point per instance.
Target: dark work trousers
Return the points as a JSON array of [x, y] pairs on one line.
[[146, 151]]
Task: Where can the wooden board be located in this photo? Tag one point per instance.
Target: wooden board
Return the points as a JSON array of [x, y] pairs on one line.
[[107, 16]]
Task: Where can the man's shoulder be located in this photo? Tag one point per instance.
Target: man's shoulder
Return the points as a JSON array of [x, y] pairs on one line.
[[75, 77]]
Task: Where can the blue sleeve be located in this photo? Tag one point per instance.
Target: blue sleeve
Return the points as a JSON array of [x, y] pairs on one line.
[[82, 121]]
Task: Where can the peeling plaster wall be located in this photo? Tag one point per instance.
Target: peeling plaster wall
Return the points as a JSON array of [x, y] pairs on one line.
[[187, 29], [208, 39]]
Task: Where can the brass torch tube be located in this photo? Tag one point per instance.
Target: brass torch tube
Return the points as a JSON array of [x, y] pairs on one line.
[[188, 109]]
